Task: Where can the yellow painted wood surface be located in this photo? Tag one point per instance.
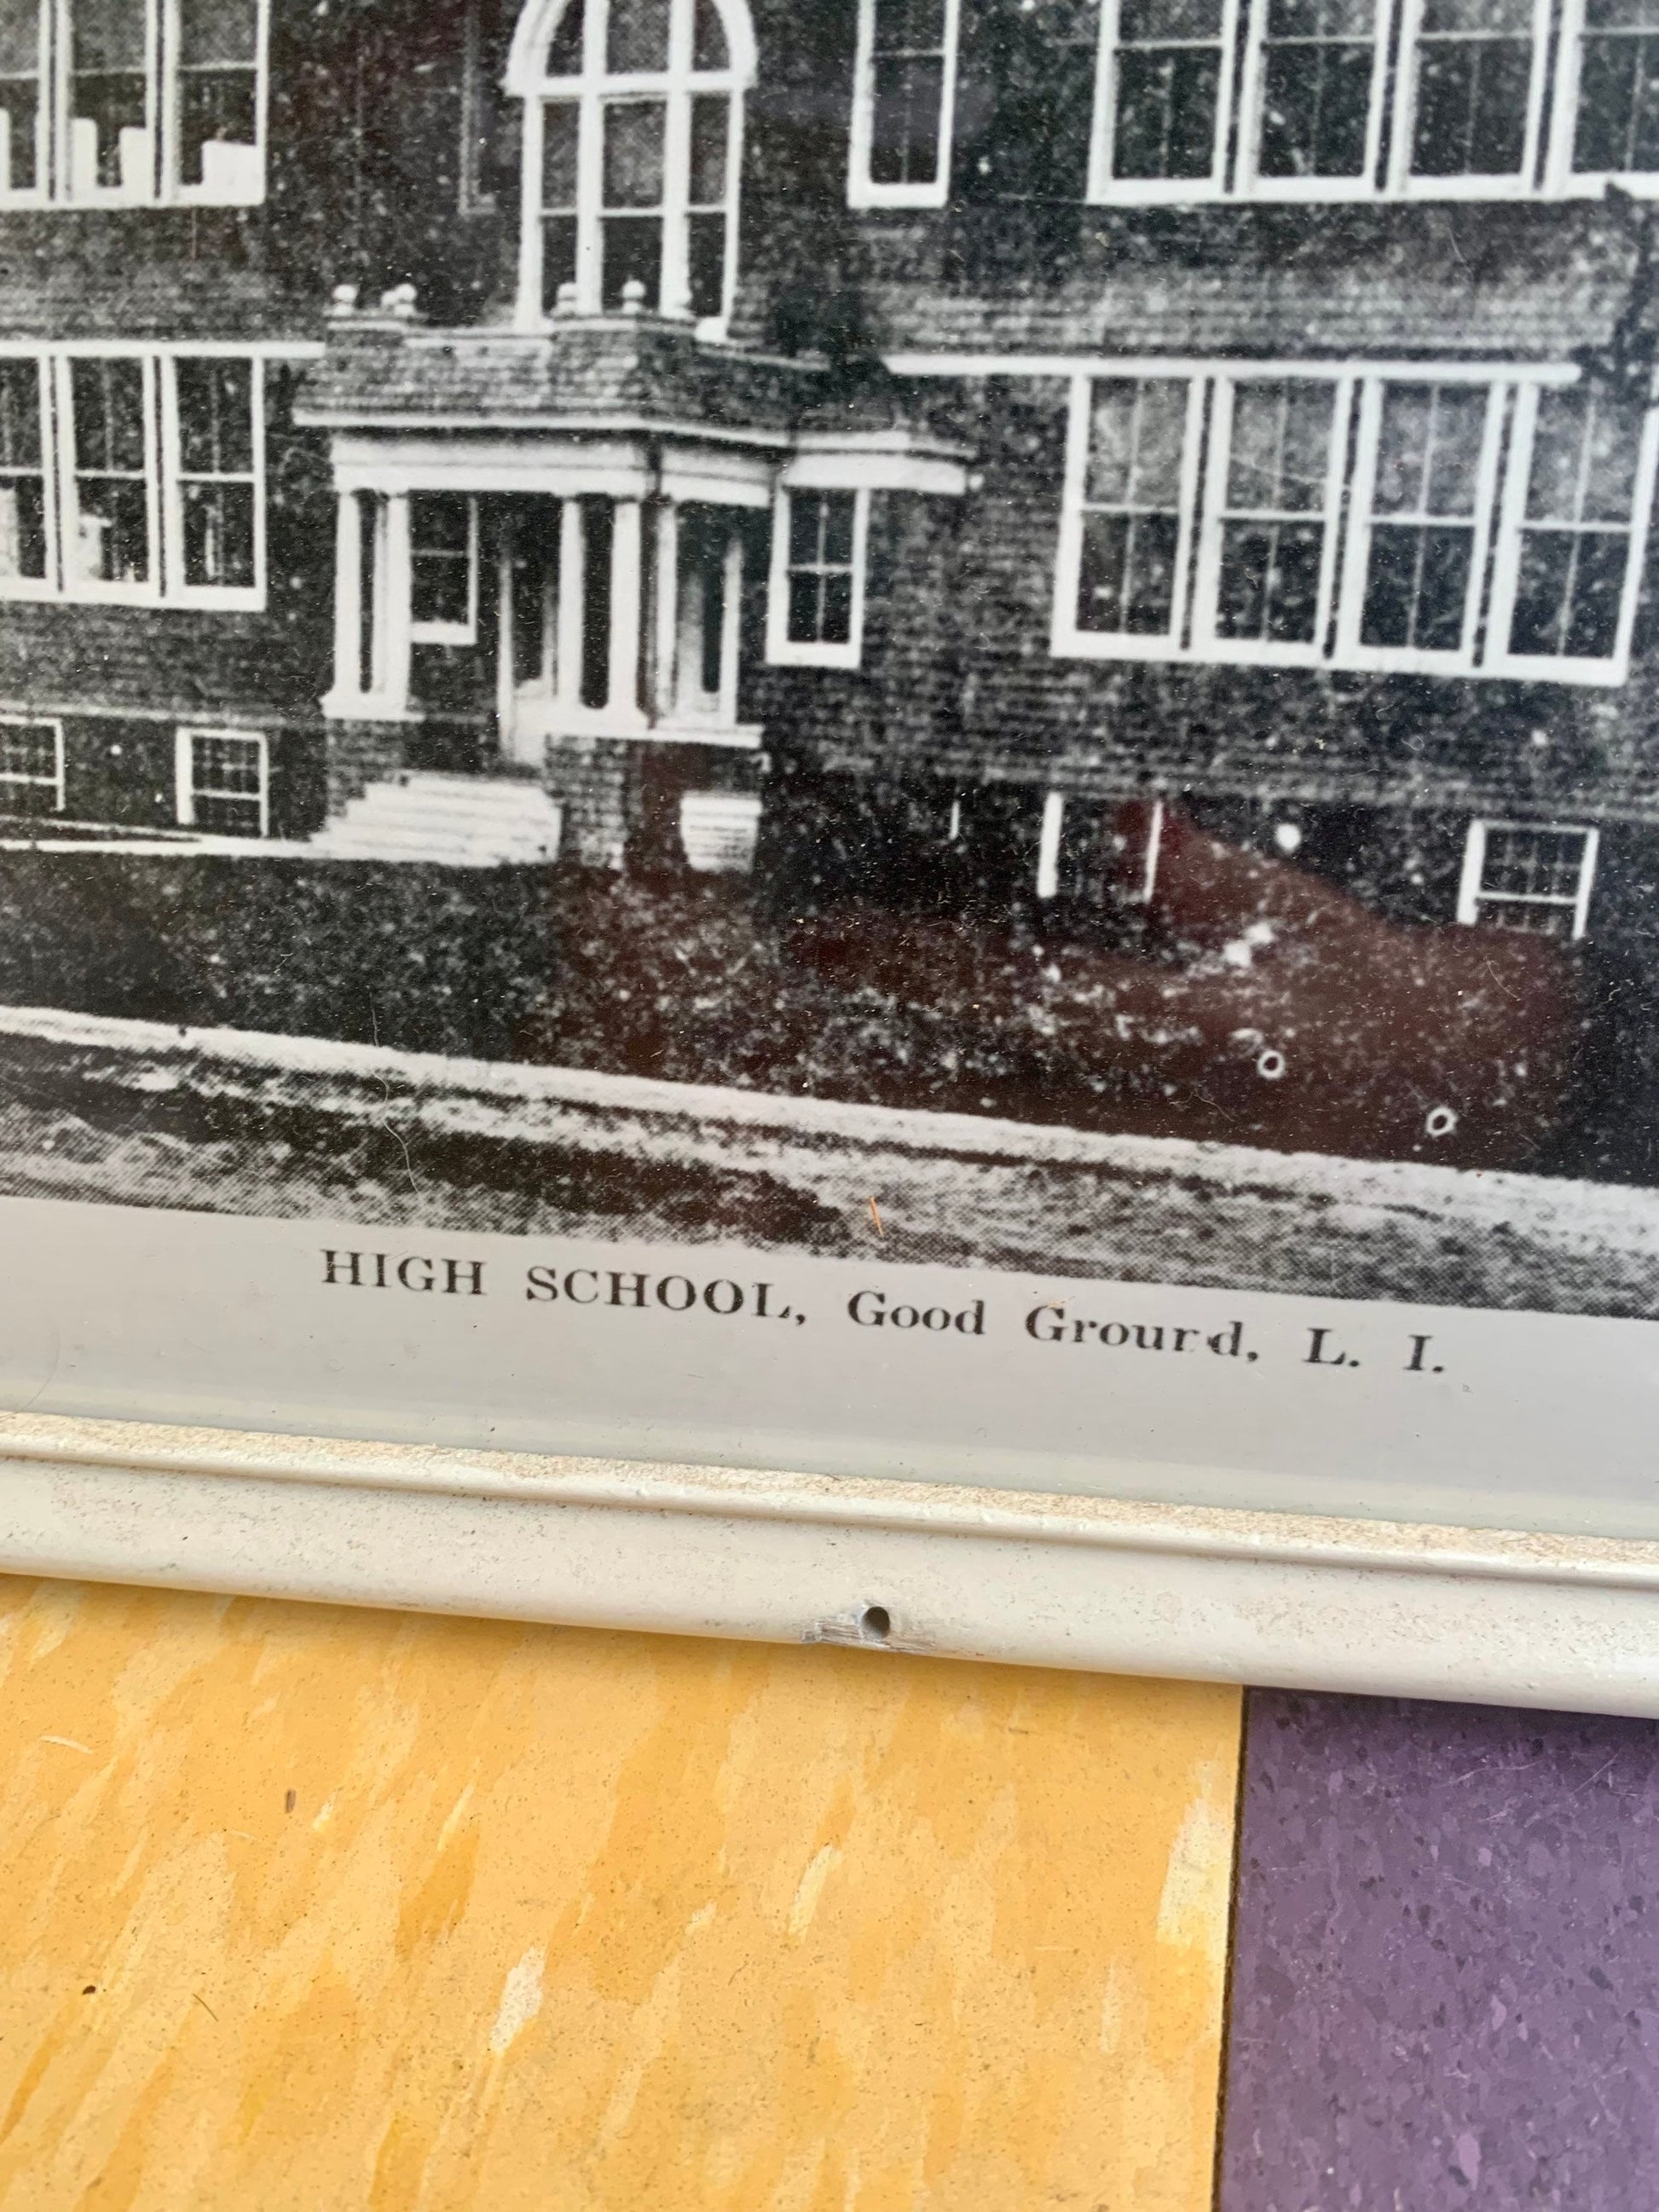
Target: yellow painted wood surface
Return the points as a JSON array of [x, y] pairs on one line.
[[308, 1910]]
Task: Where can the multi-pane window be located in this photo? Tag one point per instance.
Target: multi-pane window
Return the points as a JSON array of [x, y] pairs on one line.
[[24, 553], [1316, 93], [1473, 67], [1487, 523], [135, 475], [1350, 98], [1569, 597], [559, 220], [31, 766], [631, 151], [633, 170], [1130, 567], [1519, 875], [707, 200], [132, 102], [1426, 510], [821, 568], [22, 110], [215, 474], [223, 778], [1273, 538], [816, 609], [905, 91], [112, 134], [443, 532], [1164, 95], [112, 472], [216, 153], [1611, 83]]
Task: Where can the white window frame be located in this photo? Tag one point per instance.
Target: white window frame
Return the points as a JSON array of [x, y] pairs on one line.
[[590, 94], [38, 194], [160, 183], [1250, 182], [862, 190], [1519, 184], [448, 633], [1565, 181], [1471, 897], [781, 650], [47, 587], [93, 589], [1496, 522], [174, 191], [1067, 640], [143, 191], [34, 782], [1153, 192], [1351, 651], [1208, 643], [166, 584], [185, 787], [1557, 32], [176, 589], [1513, 523]]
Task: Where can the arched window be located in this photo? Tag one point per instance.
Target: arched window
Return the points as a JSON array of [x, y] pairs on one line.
[[633, 133]]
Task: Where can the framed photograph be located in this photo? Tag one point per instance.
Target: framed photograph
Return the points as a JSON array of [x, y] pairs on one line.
[[840, 822]]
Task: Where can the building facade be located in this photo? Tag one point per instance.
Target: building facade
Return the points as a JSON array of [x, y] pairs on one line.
[[904, 431]]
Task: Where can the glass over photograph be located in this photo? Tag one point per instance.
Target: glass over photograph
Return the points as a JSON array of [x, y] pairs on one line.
[[1014, 634]]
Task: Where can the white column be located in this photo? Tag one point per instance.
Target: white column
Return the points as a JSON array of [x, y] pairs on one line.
[[667, 610], [626, 578], [394, 609], [347, 605], [731, 629], [507, 650], [573, 563], [1048, 872]]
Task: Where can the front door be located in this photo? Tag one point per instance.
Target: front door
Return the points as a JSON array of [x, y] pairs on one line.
[[528, 582], [567, 643]]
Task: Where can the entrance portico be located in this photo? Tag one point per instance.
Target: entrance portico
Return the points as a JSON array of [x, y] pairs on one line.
[[556, 550], [604, 581]]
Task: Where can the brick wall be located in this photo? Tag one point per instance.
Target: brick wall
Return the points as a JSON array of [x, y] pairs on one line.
[[958, 680], [366, 187]]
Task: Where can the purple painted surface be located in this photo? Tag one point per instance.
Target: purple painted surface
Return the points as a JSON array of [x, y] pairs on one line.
[[1446, 1968]]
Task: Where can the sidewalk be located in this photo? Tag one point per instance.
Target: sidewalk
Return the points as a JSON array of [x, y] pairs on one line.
[[97, 1108]]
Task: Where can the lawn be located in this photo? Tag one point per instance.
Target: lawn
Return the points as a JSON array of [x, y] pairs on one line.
[[689, 979]]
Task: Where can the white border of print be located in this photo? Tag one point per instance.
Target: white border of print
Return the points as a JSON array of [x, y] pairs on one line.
[[1271, 1599]]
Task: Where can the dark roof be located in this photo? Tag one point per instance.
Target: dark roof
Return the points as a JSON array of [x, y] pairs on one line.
[[45, 300], [623, 369], [1358, 313]]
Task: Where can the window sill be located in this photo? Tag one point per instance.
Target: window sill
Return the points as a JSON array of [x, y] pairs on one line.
[[849, 658], [1355, 661], [35, 593], [367, 706]]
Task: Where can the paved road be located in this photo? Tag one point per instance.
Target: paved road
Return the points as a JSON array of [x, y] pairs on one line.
[[229, 1121]]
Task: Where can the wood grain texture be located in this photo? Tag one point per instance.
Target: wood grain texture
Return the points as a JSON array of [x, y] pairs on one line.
[[595, 1921]]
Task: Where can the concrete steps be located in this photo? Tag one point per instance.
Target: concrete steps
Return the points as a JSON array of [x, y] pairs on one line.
[[447, 821]]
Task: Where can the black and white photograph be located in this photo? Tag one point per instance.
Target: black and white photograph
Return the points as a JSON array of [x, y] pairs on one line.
[[1007, 633]]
